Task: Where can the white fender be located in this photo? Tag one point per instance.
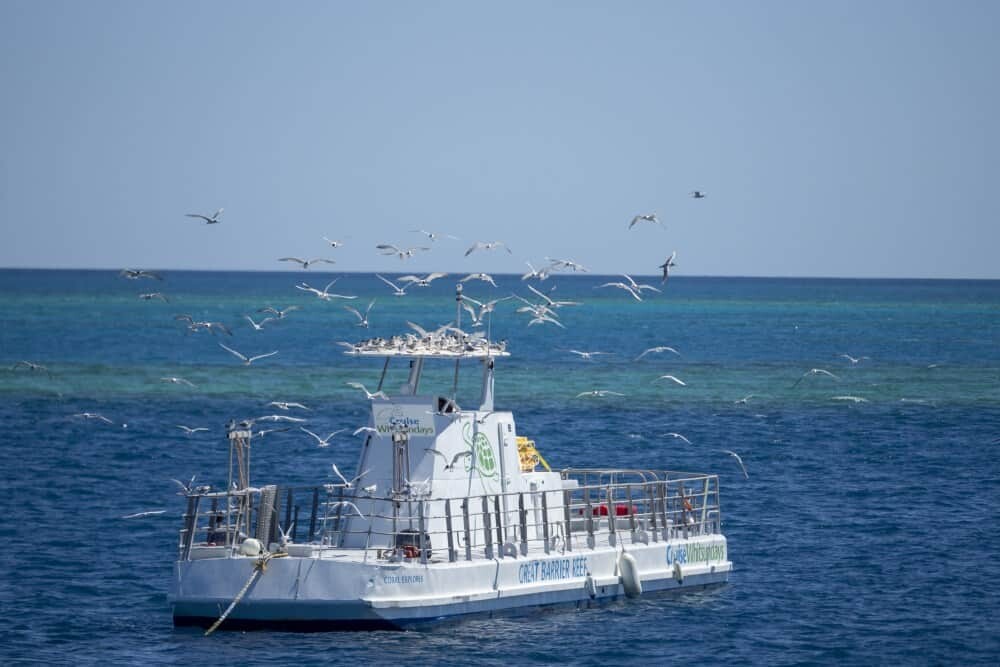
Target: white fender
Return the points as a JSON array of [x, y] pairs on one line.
[[630, 575], [678, 573], [251, 547], [590, 586]]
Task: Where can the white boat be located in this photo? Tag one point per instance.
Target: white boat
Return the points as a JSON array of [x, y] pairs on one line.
[[454, 514]]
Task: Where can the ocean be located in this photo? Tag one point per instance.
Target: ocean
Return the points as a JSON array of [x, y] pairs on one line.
[[865, 532]]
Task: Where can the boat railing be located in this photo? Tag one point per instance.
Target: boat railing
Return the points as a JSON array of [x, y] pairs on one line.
[[595, 508]]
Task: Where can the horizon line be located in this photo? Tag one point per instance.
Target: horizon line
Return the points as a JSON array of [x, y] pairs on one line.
[[518, 273]]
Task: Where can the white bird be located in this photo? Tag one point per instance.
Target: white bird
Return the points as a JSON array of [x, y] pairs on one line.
[[421, 282], [487, 245], [367, 429], [628, 288], [362, 319], [589, 356], [657, 350], [455, 459], [142, 515], [854, 360], [281, 418], [149, 296], [666, 266], [264, 431], [322, 442], [348, 504], [247, 360], [854, 399], [94, 415], [185, 489], [333, 244], [672, 379], [639, 286], [599, 392], [397, 290], [370, 396], [698, 194], [306, 262], [370, 489], [545, 319], [404, 253], [541, 274], [814, 371], [135, 274], [557, 264], [188, 430], [485, 277], [285, 405], [214, 219], [31, 366], [279, 313], [433, 236], [176, 380], [325, 294], [347, 484], [744, 400], [643, 217], [677, 436], [550, 302], [286, 535], [258, 326], [738, 460]]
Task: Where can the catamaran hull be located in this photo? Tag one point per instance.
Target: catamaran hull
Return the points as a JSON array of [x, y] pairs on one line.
[[311, 594]]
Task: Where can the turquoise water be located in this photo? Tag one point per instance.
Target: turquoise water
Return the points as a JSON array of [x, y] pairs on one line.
[[865, 532]]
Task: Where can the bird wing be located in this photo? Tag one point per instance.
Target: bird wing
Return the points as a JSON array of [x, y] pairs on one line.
[[434, 451], [292, 259], [261, 356], [435, 276], [318, 439], [356, 313], [337, 472], [231, 350]]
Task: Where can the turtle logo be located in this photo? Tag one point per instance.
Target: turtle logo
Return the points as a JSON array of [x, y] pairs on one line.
[[482, 459]]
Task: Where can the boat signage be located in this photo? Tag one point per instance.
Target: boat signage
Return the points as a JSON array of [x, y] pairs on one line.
[[695, 553], [552, 570], [411, 418]]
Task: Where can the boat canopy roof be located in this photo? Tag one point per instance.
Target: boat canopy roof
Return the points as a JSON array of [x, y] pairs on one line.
[[451, 344]]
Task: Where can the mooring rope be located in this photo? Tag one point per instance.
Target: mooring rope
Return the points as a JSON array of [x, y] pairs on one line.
[[258, 568]]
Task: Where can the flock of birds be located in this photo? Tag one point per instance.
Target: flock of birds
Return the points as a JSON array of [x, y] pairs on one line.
[[449, 339]]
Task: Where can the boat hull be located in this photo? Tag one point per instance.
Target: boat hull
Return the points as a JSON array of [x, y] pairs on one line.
[[321, 593]]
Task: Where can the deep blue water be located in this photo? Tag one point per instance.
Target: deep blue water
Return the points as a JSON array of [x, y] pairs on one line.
[[865, 534]]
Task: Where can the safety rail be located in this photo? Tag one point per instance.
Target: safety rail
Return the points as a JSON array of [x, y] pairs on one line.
[[593, 507]]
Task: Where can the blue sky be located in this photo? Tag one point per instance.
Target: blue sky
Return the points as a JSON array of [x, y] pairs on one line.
[[842, 139]]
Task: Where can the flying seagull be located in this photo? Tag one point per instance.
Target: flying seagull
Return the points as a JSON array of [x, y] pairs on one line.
[[599, 392], [258, 326], [280, 314], [306, 262], [397, 290], [247, 360], [672, 379], [698, 194], [177, 380], [485, 277], [208, 220], [667, 265], [455, 459], [643, 217], [285, 405], [487, 245], [738, 460], [622, 286], [348, 503], [188, 430], [149, 296], [31, 366], [135, 274], [142, 515], [347, 484], [589, 356], [368, 394], [404, 253], [333, 244], [433, 236], [421, 282], [657, 350], [362, 319], [814, 371], [854, 360], [677, 436], [323, 442], [325, 294], [94, 415]]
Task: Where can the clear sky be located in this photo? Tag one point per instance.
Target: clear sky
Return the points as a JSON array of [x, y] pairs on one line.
[[848, 139]]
